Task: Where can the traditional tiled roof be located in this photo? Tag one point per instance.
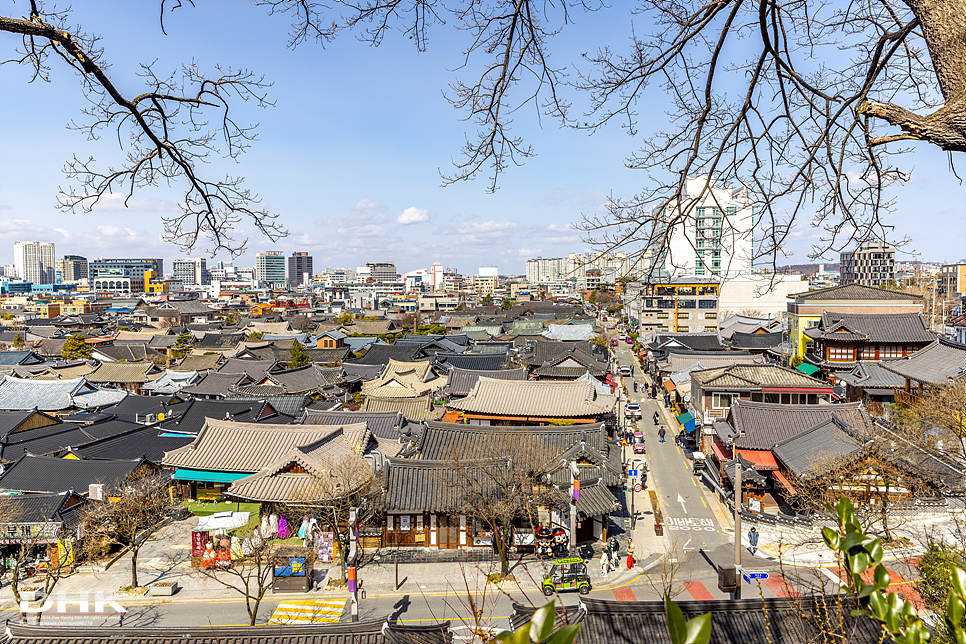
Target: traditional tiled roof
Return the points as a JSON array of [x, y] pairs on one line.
[[11, 421], [742, 377], [364, 371], [268, 327], [369, 327], [301, 380], [434, 486], [199, 363], [54, 395], [287, 405], [385, 353], [416, 410], [442, 441], [139, 441], [122, 372], [126, 352], [879, 328], [817, 450], [854, 292], [220, 341], [386, 424], [756, 340], [54, 438], [694, 341], [217, 384], [19, 357], [542, 399], [765, 424], [48, 474], [228, 446], [194, 413], [934, 364], [187, 307], [871, 375], [482, 362], [462, 381], [171, 382]]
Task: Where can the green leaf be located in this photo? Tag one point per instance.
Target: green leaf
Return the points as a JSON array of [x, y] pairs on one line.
[[875, 551], [859, 563], [955, 608], [564, 635], [858, 612], [882, 578], [958, 579], [541, 624], [677, 625], [832, 538], [699, 630], [878, 605]]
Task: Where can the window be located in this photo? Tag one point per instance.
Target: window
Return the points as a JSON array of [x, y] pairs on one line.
[[662, 315], [867, 353], [711, 315], [700, 243], [841, 354], [710, 328], [684, 315], [731, 210], [706, 304], [716, 263], [683, 329], [664, 328], [721, 401], [887, 351], [687, 304]]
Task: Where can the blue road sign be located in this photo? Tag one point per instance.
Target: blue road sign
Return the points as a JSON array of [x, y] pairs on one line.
[[632, 474], [754, 575]]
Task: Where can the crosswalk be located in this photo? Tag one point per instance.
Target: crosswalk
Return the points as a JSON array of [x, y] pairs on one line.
[[309, 611]]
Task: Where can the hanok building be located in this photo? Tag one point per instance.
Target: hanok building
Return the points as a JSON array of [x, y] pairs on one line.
[[939, 364], [509, 402], [426, 500], [842, 339], [805, 310]]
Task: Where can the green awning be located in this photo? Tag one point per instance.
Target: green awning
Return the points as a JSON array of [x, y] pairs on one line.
[[685, 417], [185, 474], [807, 368]]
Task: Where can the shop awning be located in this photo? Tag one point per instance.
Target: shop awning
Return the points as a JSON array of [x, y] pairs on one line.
[[685, 417], [782, 481], [669, 385], [208, 476], [807, 369], [721, 451], [687, 421], [762, 459]]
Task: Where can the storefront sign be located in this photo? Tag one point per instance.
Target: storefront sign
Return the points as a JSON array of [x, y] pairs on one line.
[[26, 533]]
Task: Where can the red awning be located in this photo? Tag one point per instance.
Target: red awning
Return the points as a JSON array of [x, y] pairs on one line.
[[721, 451], [763, 460], [782, 481], [796, 390]]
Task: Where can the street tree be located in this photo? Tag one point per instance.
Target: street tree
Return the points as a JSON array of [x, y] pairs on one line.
[[938, 417], [669, 574], [130, 519], [75, 348]]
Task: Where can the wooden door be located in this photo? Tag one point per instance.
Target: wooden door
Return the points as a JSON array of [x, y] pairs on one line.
[[449, 531]]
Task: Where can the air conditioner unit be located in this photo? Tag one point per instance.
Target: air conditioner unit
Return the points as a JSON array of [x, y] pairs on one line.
[[96, 491]]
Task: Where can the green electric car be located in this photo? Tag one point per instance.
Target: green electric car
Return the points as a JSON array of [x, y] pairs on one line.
[[567, 574]]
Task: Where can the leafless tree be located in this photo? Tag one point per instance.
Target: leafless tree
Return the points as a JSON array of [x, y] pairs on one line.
[[302, 323], [668, 576], [166, 133], [134, 513], [938, 419]]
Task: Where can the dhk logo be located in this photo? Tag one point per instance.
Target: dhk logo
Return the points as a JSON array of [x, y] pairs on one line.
[[83, 605]]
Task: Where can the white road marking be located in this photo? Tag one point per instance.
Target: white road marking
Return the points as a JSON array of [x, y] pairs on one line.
[[681, 501]]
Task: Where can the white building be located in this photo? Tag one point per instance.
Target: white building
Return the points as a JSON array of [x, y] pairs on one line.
[[712, 231], [764, 296], [574, 267], [193, 270], [35, 261]]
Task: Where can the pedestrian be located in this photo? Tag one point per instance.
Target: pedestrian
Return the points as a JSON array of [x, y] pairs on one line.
[[661, 432], [753, 540], [632, 371], [630, 554], [635, 387], [604, 563]]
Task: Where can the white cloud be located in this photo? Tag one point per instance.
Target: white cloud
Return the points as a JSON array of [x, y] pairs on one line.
[[413, 215], [558, 228], [489, 228]]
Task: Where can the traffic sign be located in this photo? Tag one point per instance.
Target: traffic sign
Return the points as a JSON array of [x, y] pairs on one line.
[[638, 488], [632, 474], [754, 575]]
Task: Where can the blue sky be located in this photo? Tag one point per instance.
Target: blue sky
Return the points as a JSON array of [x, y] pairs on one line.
[[350, 157]]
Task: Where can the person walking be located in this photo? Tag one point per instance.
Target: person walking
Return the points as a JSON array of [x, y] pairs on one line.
[[604, 562], [630, 554], [753, 540], [661, 432]]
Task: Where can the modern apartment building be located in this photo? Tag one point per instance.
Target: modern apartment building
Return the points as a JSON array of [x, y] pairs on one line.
[[75, 268], [299, 268], [954, 279], [116, 270], [871, 264], [270, 267], [34, 262], [711, 231], [192, 271], [574, 267], [382, 271]]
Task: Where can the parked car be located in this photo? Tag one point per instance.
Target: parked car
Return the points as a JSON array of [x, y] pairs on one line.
[[625, 371], [638, 442], [629, 340], [613, 342], [633, 410]]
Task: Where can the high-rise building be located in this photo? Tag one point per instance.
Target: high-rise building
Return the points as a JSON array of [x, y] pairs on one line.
[[382, 271], [192, 271], [954, 278], [129, 268], [75, 268], [574, 267], [871, 264], [299, 268], [711, 231], [35, 262], [270, 267]]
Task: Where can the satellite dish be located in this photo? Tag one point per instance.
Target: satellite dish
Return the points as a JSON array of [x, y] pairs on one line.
[[687, 399], [160, 417]]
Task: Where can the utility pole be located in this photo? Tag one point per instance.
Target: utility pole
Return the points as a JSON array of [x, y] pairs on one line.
[[351, 572], [737, 593], [574, 497]]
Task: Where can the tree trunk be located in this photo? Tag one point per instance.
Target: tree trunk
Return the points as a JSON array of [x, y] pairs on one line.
[[134, 568], [501, 549]]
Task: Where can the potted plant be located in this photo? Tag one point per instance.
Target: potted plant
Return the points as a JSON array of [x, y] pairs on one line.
[[31, 593]]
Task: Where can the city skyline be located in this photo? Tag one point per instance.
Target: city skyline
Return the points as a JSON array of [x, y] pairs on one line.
[[351, 177]]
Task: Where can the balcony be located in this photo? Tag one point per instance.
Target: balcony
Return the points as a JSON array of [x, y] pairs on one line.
[[904, 397]]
